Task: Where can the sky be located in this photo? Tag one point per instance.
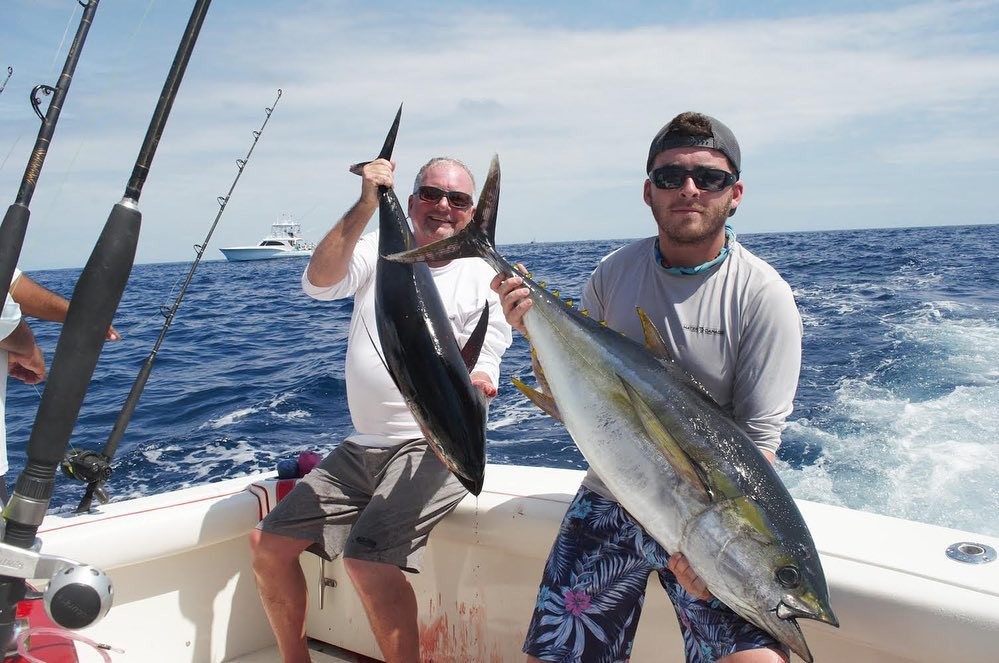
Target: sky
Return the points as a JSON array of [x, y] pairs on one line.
[[850, 114]]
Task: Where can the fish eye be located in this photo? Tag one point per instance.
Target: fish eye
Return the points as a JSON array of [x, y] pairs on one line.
[[788, 576]]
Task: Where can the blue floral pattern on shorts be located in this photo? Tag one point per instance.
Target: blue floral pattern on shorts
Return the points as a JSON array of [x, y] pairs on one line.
[[593, 589]]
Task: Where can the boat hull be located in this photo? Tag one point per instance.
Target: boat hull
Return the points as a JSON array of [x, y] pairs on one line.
[[184, 590], [239, 254]]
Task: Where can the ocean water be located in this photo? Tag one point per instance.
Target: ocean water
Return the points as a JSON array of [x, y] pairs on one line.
[[895, 411]]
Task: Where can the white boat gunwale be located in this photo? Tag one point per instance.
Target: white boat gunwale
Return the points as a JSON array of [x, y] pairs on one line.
[[184, 590]]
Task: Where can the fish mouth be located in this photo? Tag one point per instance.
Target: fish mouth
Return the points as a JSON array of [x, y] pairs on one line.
[[790, 608], [781, 622]]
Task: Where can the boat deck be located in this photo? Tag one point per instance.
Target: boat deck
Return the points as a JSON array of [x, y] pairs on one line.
[[321, 653]]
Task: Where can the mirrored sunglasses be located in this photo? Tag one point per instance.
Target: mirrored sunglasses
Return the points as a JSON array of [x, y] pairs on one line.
[[705, 179], [456, 199]]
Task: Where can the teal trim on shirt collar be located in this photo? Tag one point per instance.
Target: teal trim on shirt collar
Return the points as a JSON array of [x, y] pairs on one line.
[[689, 271]]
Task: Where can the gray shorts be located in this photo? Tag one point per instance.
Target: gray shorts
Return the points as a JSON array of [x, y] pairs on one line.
[[371, 503]]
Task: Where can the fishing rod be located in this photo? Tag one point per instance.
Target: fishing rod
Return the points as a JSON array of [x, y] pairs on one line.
[[95, 468], [15, 221], [10, 72], [91, 309]]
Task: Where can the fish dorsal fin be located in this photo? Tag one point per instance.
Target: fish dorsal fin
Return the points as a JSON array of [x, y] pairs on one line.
[[656, 344], [672, 450], [543, 401], [653, 339], [470, 353]]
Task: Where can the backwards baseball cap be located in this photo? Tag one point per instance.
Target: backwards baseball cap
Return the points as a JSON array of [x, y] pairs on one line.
[[696, 130]]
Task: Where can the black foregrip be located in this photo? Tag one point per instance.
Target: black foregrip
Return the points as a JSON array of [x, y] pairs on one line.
[[12, 231], [91, 310]]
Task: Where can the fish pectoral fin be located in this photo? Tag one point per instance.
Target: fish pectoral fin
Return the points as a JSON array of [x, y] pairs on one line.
[[543, 401], [672, 451], [473, 346], [751, 514], [653, 339]]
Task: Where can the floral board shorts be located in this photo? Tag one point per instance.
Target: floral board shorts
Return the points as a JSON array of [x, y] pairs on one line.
[[593, 589]]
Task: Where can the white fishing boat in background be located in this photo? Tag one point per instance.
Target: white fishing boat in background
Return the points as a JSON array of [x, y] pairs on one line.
[[285, 241], [184, 590]]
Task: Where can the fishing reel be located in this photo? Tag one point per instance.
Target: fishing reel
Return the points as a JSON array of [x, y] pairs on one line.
[[86, 466], [89, 467], [78, 595]]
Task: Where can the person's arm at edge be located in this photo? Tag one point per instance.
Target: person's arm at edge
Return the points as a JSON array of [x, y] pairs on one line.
[[25, 360], [39, 302]]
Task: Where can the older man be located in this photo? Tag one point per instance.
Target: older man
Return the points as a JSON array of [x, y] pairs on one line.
[[378, 495]]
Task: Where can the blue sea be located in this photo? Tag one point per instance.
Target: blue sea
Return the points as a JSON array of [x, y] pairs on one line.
[[895, 411]]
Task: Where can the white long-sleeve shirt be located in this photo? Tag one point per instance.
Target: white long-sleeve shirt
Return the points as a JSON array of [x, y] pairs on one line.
[[377, 410], [9, 320]]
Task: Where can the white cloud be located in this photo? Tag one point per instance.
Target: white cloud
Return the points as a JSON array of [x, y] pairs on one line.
[[569, 110]]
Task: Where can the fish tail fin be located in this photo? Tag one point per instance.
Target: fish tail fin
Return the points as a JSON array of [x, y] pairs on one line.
[[478, 239], [462, 245], [485, 211], [387, 147]]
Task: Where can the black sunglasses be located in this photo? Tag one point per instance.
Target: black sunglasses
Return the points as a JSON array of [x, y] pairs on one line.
[[705, 179], [456, 199]]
